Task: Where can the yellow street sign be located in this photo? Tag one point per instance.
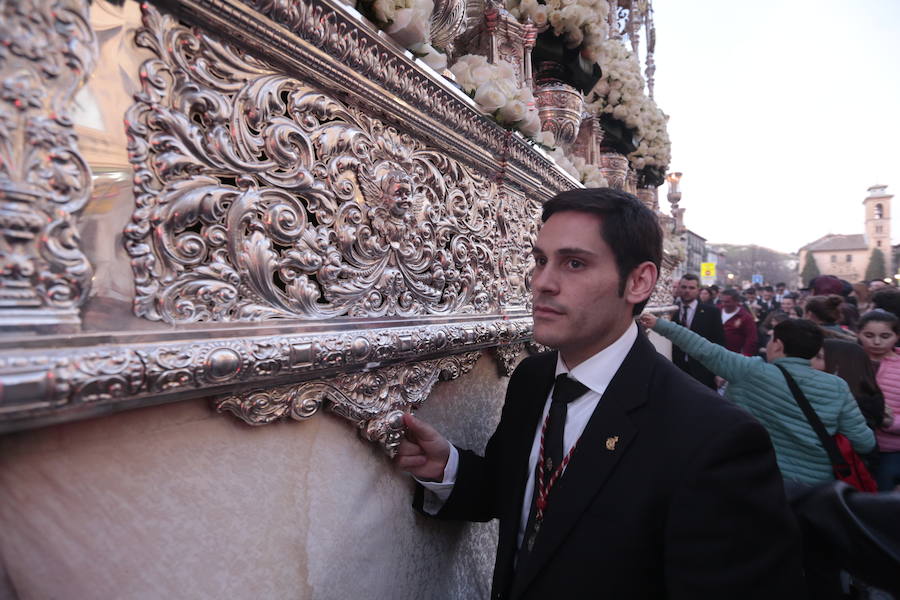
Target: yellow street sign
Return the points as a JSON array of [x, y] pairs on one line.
[[707, 269]]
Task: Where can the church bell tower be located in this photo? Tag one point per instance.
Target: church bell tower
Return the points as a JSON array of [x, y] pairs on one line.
[[878, 223]]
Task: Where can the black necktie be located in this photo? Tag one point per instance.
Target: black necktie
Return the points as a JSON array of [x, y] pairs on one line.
[[564, 391]]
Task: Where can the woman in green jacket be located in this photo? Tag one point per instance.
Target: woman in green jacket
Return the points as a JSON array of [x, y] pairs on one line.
[[760, 387]]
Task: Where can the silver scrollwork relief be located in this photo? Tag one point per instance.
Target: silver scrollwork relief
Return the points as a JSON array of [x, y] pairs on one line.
[[508, 357], [47, 52], [260, 196], [40, 385], [373, 400]]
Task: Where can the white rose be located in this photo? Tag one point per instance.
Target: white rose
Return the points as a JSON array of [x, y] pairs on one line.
[[513, 111], [409, 28], [482, 74], [434, 59], [424, 8], [531, 124], [508, 87], [504, 70], [489, 97], [547, 138]]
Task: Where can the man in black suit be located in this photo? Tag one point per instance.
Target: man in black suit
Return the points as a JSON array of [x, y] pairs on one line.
[[703, 319], [767, 303], [612, 473]]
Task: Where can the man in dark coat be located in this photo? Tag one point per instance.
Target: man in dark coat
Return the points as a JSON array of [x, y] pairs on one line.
[[703, 319], [612, 473]]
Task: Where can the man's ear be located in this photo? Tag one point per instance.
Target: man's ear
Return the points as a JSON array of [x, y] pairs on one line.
[[640, 282], [777, 345]]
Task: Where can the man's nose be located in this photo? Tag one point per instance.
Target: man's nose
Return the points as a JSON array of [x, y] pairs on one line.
[[544, 280]]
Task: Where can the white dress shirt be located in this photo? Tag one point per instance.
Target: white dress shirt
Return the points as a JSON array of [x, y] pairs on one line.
[[596, 373], [688, 311]]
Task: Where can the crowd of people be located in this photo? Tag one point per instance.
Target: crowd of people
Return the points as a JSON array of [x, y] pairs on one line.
[[860, 325], [836, 341]]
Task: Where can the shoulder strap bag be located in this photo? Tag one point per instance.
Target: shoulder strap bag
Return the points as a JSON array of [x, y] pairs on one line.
[[845, 462]]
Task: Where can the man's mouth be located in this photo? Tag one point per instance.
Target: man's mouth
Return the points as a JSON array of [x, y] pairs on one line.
[[544, 310]]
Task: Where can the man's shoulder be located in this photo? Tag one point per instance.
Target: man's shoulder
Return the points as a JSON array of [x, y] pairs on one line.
[[686, 405]]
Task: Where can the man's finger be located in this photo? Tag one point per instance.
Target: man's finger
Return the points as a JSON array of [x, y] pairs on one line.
[[420, 430], [407, 448], [410, 462]]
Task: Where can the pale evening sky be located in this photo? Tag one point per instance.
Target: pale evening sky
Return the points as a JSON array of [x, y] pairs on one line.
[[781, 114]]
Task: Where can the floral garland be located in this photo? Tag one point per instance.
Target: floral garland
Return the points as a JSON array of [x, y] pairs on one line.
[[620, 93], [408, 22], [581, 23], [495, 89]]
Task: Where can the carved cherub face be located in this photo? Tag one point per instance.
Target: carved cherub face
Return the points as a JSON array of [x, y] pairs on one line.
[[396, 193]]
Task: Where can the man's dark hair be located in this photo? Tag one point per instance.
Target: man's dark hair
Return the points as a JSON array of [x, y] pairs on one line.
[[781, 284], [732, 293], [887, 299], [768, 288], [630, 229], [690, 277], [801, 338], [790, 295], [714, 288]]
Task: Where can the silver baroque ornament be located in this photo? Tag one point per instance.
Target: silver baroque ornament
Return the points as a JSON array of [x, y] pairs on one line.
[[47, 52], [39, 386], [508, 356], [260, 196], [373, 400]]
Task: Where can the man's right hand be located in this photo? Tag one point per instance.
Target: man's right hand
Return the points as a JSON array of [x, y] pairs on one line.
[[423, 452]]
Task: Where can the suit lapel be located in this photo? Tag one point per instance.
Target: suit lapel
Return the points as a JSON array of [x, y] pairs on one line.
[[605, 440], [533, 393]]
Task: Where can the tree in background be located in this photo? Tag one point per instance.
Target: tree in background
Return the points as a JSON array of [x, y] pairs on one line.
[[745, 261], [810, 269], [876, 268]]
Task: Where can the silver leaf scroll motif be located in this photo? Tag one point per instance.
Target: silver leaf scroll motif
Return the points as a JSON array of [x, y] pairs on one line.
[[374, 400], [260, 196], [508, 356], [47, 52]]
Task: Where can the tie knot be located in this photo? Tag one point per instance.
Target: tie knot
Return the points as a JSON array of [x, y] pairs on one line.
[[567, 389]]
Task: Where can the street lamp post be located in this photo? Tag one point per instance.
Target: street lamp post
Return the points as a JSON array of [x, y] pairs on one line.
[[674, 197]]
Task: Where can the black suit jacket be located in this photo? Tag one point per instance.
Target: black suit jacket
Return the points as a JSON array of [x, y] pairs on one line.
[[707, 322], [686, 504]]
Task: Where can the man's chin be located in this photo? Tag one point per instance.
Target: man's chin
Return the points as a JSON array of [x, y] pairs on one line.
[[544, 338]]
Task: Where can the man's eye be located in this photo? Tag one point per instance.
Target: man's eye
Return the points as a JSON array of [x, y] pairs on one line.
[[575, 264], [540, 260]]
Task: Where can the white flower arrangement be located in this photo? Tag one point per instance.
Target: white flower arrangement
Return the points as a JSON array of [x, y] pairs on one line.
[[589, 175], [620, 93], [408, 22], [495, 89], [579, 22]]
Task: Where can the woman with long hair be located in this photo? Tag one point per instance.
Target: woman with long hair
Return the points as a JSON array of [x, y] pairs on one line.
[[878, 334], [850, 362]]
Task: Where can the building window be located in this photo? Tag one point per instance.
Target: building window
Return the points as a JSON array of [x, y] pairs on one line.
[[878, 229], [834, 258], [879, 243], [849, 258], [879, 211]]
